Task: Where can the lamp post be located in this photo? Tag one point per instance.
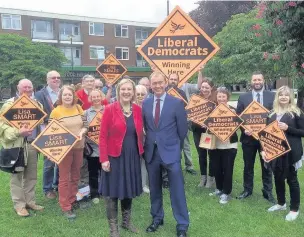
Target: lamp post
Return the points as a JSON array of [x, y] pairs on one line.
[[72, 58], [168, 7]]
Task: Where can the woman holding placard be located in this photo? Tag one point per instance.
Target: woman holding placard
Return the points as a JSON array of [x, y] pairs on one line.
[[71, 116], [95, 98], [223, 156], [291, 121], [121, 147], [207, 92]]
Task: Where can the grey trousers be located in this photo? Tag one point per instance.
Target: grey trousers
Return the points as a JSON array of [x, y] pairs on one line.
[[84, 173], [144, 174], [22, 185]]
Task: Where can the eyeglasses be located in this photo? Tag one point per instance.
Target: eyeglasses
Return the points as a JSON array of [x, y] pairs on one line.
[[53, 78], [140, 94]]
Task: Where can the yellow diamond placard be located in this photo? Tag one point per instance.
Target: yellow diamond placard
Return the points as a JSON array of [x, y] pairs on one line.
[[24, 112], [273, 141], [94, 128], [55, 141], [111, 69], [223, 122], [178, 46], [198, 109], [174, 93], [255, 117]]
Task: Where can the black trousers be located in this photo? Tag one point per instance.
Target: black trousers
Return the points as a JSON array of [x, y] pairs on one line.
[[249, 154], [94, 168], [294, 187], [223, 160], [202, 156]]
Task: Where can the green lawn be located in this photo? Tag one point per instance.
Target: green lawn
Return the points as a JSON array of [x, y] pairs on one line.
[[208, 218]]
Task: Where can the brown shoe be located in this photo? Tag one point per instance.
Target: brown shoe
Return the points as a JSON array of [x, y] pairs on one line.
[[35, 207], [22, 212], [51, 195]]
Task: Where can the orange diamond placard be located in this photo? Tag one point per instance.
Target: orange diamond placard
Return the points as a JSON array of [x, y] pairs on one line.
[[254, 116], [273, 141], [55, 141], [178, 46], [198, 109], [174, 93], [111, 69], [24, 112], [223, 122], [94, 128]]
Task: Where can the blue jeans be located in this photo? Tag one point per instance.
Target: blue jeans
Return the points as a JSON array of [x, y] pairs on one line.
[[50, 175]]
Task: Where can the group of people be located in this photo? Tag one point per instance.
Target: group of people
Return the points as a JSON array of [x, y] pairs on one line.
[[143, 133]]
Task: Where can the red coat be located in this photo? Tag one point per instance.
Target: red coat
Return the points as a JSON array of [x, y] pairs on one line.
[[113, 129], [83, 96]]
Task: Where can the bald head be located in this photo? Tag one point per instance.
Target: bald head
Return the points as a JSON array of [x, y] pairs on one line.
[[53, 80], [145, 82], [25, 86]]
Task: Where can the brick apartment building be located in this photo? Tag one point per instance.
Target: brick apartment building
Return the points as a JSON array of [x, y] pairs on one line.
[[85, 41]]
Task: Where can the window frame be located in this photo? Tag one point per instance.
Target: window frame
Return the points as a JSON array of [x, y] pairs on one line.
[[96, 47], [11, 19], [126, 27], [91, 23], [123, 48]]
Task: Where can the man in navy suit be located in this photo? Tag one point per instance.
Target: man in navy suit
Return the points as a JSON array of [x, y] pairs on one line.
[[250, 145], [165, 123]]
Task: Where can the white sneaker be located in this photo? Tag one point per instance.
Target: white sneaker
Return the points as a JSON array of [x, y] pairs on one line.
[[95, 200], [292, 215], [146, 189], [277, 207], [224, 198], [216, 193]]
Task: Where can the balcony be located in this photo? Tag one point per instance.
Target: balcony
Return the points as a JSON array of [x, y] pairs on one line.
[[42, 31], [68, 31]]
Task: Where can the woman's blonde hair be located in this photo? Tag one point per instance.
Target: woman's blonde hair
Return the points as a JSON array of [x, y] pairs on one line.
[[291, 109], [75, 98], [96, 90], [122, 82]]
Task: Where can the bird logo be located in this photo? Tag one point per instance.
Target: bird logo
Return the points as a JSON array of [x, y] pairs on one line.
[[221, 112], [176, 27], [54, 129], [274, 130], [23, 103], [111, 61], [253, 109]]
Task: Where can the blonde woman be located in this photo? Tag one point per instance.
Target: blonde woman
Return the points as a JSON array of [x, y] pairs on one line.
[[71, 116], [291, 121], [120, 148], [141, 95]]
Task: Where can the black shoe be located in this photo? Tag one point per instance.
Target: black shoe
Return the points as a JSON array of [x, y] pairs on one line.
[[268, 196], [165, 184], [191, 171], [69, 214], [154, 226], [181, 233], [244, 195]]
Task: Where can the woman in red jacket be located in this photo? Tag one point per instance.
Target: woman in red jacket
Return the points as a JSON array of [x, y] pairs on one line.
[[120, 145]]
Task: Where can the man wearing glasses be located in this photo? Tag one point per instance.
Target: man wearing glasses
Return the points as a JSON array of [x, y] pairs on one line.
[[47, 96]]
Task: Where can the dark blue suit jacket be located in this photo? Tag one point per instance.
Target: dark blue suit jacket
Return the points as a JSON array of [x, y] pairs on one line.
[[170, 133]]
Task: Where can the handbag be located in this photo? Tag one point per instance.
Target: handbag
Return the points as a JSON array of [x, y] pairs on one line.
[[207, 141], [87, 150], [11, 158]]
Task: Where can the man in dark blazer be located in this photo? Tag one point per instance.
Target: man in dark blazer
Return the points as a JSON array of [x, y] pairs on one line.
[[47, 96], [250, 145], [165, 123]]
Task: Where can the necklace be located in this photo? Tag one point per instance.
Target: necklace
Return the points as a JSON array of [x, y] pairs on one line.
[[126, 111]]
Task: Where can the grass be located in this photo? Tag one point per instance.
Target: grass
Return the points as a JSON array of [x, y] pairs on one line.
[[207, 216]]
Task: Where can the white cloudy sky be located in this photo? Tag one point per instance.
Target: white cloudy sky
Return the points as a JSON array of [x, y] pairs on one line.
[[136, 10]]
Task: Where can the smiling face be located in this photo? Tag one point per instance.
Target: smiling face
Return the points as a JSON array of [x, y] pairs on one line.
[[53, 80], [25, 87], [88, 83], [205, 90], [95, 97], [126, 92], [257, 82], [67, 97], [141, 94], [284, 98], [221, 98], [158, 84]]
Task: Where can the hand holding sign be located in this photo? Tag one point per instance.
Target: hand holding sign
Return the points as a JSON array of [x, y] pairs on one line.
[[25, 132], [283, 126]]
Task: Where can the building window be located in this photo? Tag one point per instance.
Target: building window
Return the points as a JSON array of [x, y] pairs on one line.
[[42, 26], [96, 28], [69, 29], [141, 34], [97, 52], [122, 53], [11, 22], [121, 31]]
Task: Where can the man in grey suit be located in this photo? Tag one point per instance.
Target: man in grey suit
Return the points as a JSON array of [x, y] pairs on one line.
[[250, 145]]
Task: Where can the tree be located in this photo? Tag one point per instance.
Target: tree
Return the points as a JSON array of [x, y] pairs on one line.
[[286, 19], [22, 58], [243, 49], [211, 16]]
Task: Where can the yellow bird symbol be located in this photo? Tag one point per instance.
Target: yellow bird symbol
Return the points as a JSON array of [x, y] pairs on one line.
[[22, 103], [176, 27]]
